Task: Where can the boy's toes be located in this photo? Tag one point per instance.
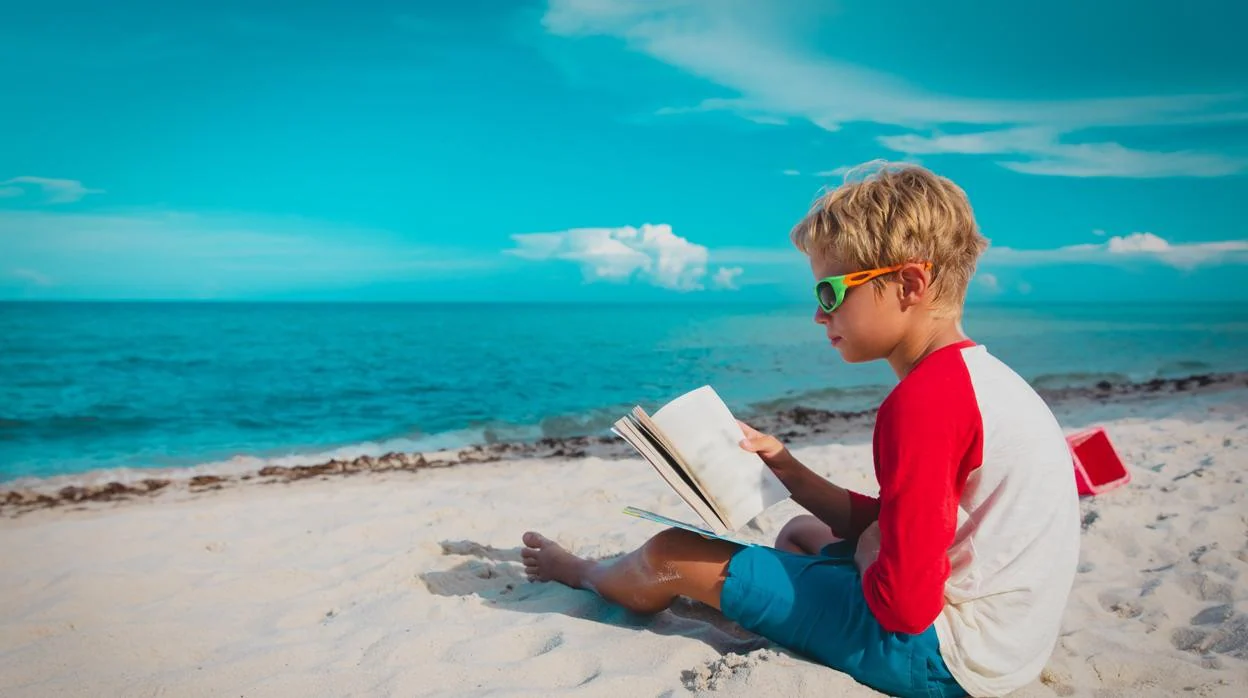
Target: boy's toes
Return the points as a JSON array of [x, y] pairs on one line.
[[534, 540]]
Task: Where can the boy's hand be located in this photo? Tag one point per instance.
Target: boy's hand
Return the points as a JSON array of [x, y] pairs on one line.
[[769, 448]]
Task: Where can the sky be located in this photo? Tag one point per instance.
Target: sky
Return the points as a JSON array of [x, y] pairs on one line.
[[602, 150]]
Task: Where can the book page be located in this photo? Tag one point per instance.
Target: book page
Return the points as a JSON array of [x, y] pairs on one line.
[[651, 429], [708, 439], [651, 453]]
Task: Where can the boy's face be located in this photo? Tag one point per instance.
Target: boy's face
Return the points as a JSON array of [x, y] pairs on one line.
[[869, 324]]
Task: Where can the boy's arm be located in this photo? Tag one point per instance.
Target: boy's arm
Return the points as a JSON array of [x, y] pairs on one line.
[[846, 512], [923, 461]]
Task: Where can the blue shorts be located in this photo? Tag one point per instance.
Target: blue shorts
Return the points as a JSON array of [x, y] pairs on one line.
[[813, 605]]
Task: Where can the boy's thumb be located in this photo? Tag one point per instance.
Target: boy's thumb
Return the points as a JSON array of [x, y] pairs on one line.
[[755, 444]]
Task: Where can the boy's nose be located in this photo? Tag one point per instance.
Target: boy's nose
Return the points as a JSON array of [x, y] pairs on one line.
[[821, 318]]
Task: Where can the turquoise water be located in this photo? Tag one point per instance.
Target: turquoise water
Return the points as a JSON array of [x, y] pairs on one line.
[[103, 385]]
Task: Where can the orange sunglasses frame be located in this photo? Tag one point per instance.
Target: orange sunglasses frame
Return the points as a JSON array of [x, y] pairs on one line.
[[841, 284]]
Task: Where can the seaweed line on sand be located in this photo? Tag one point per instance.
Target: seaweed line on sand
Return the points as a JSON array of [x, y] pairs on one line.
[[794, 425]]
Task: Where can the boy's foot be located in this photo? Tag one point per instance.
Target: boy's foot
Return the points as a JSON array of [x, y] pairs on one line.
[[547, 561]]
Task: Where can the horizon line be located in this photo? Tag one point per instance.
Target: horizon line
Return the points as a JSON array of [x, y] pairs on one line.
[[581, 303]]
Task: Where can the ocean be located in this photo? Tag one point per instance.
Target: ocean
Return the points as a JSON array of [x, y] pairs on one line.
[[88, 386]]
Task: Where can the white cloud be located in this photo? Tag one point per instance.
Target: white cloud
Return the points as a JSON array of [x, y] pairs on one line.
[[752, 50], [601, 255], [837, 172], [32, 276], [1137, 242], [766, 119], [1129, 247], [1010, 140], [1049, 156], [55, 191], [988, 281], [1114, 160], [747, 47], [652, 252], [1098, 232], [726, 277]]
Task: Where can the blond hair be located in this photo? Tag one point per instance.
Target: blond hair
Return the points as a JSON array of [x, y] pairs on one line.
[[890, 213]]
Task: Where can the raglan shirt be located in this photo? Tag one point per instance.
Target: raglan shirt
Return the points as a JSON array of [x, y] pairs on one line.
[[978, 516]]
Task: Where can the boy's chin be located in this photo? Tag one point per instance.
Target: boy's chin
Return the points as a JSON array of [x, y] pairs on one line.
[[850, 356]]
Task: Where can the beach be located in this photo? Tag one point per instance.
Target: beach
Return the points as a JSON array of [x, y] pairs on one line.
[[311, 314], [401, 576]]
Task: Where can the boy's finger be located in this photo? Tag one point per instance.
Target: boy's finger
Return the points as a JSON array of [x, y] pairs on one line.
[[755, 444], [750, 432], [761, 444]]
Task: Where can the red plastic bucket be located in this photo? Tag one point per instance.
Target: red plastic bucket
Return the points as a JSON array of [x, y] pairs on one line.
[[1098, 468]]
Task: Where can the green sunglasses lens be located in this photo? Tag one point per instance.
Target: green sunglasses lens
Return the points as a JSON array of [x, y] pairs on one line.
[[827, 296]]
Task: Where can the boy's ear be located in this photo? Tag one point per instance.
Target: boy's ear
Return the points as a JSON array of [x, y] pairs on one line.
[[915, 281]]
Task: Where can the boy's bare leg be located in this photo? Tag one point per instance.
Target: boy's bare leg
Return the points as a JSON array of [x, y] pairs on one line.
[[673, 563], [806, 535]]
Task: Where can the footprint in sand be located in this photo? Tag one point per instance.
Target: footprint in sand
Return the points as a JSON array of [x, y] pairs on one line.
[[530, 657], [1217, 629], [473, 549], [1204, 586], [492, 573], [512, 645], [1113, 602]]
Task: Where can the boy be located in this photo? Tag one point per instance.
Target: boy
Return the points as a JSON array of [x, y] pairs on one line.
[[955, 578]]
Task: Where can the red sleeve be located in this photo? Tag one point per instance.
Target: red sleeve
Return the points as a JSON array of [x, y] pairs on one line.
[[928, 438]]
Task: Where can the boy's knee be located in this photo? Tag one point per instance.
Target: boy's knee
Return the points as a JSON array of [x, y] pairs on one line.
[[791, 533], [805, 535], [683, 553], [794, 524], [666, 546]]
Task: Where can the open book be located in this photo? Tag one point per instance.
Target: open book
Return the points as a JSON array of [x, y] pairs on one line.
[[694, 443]]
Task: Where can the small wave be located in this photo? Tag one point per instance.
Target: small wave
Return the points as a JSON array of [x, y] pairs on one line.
[[251, 423], [1183, 368], [431, 443], [136, 361], [21, 380], [242, 464], [590, 422], [845, 399], [53, 427], [1077, 379]]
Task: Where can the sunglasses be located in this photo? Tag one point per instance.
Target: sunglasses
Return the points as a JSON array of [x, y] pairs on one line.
[[831, 291]]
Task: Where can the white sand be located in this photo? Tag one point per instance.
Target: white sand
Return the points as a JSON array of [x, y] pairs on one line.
[[408, 583]]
